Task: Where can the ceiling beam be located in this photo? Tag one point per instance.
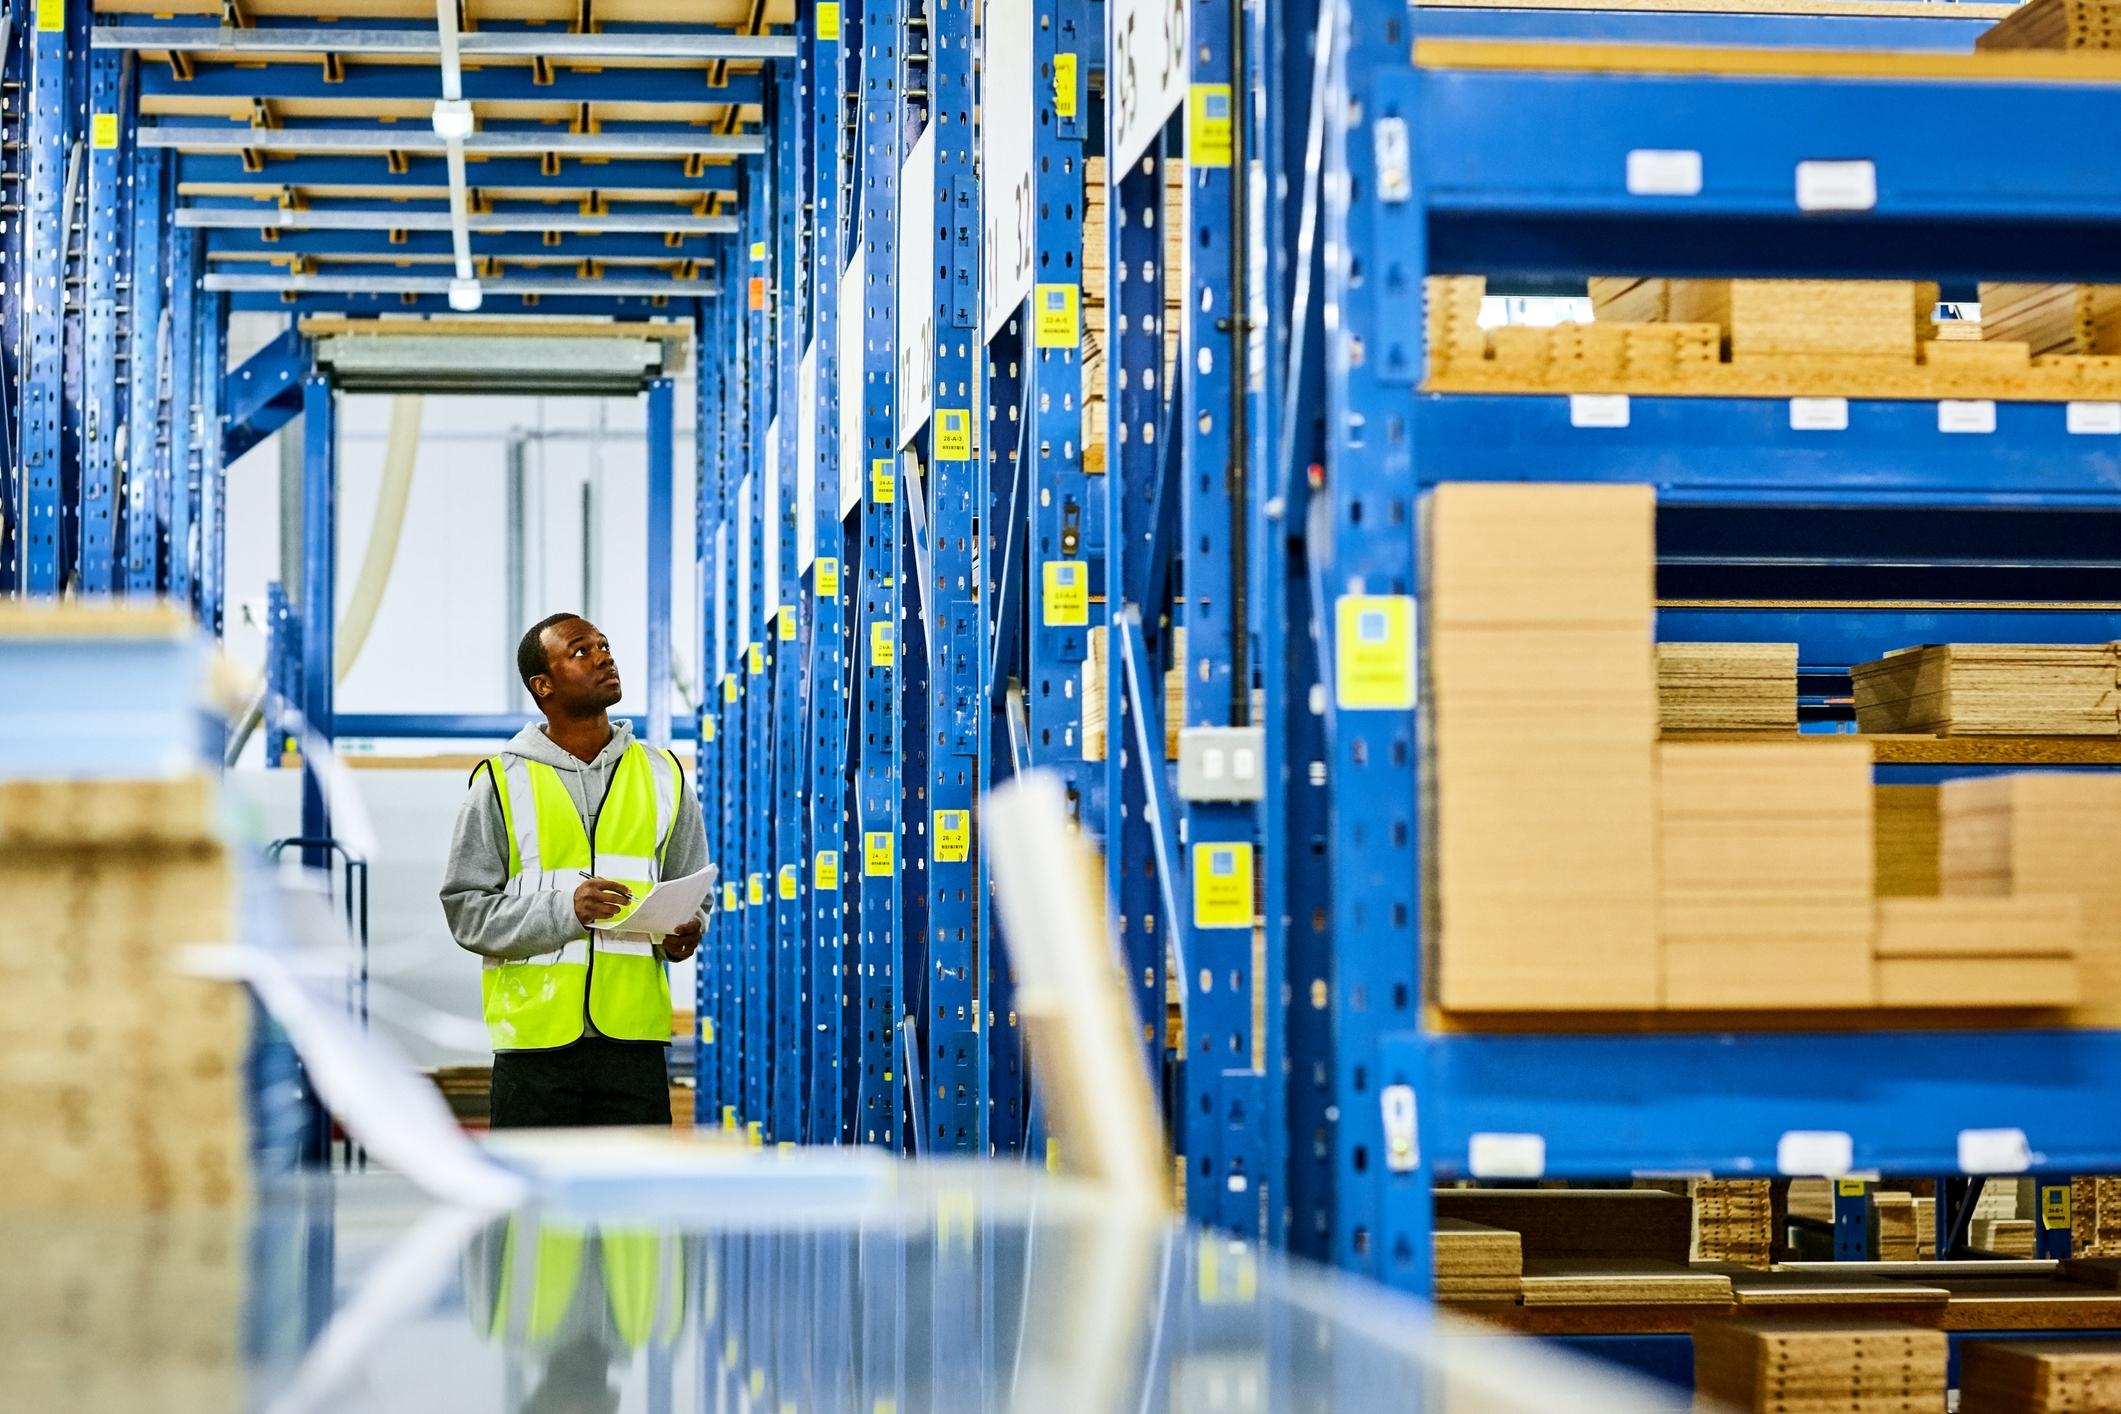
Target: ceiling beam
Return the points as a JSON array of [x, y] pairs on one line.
[[214, 42], [405, 138], [393, 283], [398, 218]]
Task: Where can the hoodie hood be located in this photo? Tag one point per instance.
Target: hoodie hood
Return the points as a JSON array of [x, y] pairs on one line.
[[532, 744]]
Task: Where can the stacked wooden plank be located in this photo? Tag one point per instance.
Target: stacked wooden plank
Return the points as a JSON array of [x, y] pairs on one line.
[[2043, 833], [1733, 1221], [1091, 681], [1804, 1367], [1727, 687], [2018, 951], [1618, 1224], [121, 1080], [2095, 1216], [2056, 24], [1765, 886], [1925, 1229], [1451, 311], [1476, 1263], [1906, 829], [468, 1090], [1835, 319], [2053, 319], [1545, 849], [1621, 1281], [1899, 1229], [1811, 1198], [2006, 689], [2005, 1237], [2039, 1377]]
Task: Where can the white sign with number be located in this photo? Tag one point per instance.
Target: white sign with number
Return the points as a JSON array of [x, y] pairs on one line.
[[744, 537], [770, 528], [1009, 226], [806, 465], [853, 378], [916, 287], [1146, 74]]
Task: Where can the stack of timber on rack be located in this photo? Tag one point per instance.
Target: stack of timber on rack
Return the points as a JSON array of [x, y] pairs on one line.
[[1811, 1198], [2095, 1217], [1621, 1281], [121, 1084], [1475, 1263], [1733, 1221], [1775, 338], [1793, 1367], [1899, 1231], [1925, 1229], [2056, 24], [469, 1092], [1097, 319], [1727, 687], [1765, 886], [1091, 688], [1993, 689], [2002, 952], [2052, 834], [2054, 319], [1907, 829], [1630, 1224], [1545, 862], [2039, 1377], [2003, 1237]]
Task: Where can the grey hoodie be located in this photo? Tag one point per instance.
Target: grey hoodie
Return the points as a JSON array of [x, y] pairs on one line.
[[486, 920]]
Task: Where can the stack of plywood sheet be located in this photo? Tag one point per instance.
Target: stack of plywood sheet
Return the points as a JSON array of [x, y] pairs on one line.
[[1765, 886], [121, 1079], [2043, 833], [1619, 1224], [1925, 1229], [2095, 1217], [1906, 829], [1621, 1281], [1475, 1263], [468, 1090], [1733, 1221], [2056, 24], [1833, 319], [1993, 689], [2039, 1377], [2018, 951], [2054, 319], [1092, 681], [1899, 1230], [1811, 1198], [1452, 314], [1809, 1367], [1175, 692], [1545, 851], [2006, 1237], [1727, 687]]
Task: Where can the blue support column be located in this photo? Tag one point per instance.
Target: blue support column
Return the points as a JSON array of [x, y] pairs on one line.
[[757, 695], [14, 138], [105, 234], [146, 461], [43, 377], [213, 473], [662, 433], [784, 603], [184, 302], [320, 554], [709, 972], [729, 340]]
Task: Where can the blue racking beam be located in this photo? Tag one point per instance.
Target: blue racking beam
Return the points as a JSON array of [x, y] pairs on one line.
[[145, 465], [264, 393], [105, 236], [363, 85], [501, 245], [322, 173], [43, 360], [790, 952]]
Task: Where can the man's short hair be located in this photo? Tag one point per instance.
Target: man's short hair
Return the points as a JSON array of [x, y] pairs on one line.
[[530, 653]]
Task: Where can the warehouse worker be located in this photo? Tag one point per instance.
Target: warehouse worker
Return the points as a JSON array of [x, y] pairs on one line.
[[568, 825]]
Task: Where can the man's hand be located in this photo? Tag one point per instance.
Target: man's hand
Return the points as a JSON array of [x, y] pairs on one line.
[[598, 899], [679, 945]]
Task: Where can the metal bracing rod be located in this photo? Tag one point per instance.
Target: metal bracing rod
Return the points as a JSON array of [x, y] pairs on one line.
[[212, 41], [383, 139], [395, 284], [394, 218]]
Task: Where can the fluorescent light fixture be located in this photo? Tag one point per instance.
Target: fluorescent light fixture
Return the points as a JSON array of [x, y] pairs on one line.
[[452, 118], [465, 296]]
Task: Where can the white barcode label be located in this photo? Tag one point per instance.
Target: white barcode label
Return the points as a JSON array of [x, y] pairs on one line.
[[1598, 409], [1837, 186], [1664, 172], [1966, 415], [1819, 414], [2095, 419], [1994, 1151], [1506, 1156], [1814, 1153]]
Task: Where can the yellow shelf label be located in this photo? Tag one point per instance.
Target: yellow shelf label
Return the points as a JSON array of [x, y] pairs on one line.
[[1208, 126], [729, 688], [755, 888], [1850, 1187], [1064, 70], [828, 578], [788, 872], [953, 434], [51, 15], [758, 250], [828, 20], [1222, 886], [707, 729], [706, 1030], [827, 873], [729, 1122], [103, 132], [1059, 322], [1373, 651], [876, 854], [883, 644], [953, 836], [787, 622], [2055, 1211], [1066, 601], [755, 658], [883, 482], [730, 901]]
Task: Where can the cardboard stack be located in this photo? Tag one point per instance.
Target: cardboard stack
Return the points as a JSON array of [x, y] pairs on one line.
[[2006, 689], [2005, 1237], [2056, 24], [1765, 885], [2043, 833], [2095, 1217], [1803, 1367], [1733, 1221], [1475, 1263], [2017, 951], [1545, 840], [1899, 1230], [2039, 1377], [1727, 687], [1905, 832]]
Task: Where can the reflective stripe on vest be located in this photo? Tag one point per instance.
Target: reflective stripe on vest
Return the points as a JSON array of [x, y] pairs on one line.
[[613, 978]]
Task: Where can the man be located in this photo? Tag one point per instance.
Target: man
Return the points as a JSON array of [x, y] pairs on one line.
[[564, 829]]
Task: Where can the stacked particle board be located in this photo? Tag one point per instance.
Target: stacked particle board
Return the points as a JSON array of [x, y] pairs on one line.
[[1905, 833], [468, 1089], [1092, 681], [1811, 1198], [1175, 692], [2043, 833], [1476, 1263], [1765, 878], [2054, 319], [1992, 689], [2004, 1237], [1899, 1227], [1615, 1224], [2018, 951], [1451, 309], [1097, 322], [683, 1099], [1727, 687], [1925, 1229], [1621, 1281], [1829, 319], [2095, 1217], [121, 1078], [2056, 24], [1545, 850], [1733, 1221], [1813, 1367], [2039, 1377]]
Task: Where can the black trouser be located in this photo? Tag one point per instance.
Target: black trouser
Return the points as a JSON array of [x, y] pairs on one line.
[[594, 1081]]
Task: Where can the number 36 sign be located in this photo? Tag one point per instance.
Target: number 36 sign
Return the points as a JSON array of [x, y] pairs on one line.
[[1146, 74]]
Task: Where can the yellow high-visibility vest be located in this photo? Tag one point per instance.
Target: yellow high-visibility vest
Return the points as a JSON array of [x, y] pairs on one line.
[[641, 1272], [615, 979]]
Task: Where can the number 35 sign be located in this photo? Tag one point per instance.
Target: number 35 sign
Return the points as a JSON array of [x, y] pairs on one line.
[[1146, 74]]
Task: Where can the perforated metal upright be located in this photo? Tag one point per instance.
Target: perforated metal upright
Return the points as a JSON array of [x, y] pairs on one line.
[[731, 319], [212, 495], [14, 138], [757, 698], [105, 235], [49, 136], [178, 514], [711, 972], [144, 465]]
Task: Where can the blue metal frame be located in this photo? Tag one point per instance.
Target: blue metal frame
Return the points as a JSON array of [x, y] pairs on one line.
[[662, 432], [319, 612], [145, 465], [105, 231], [791, 954], [50, 134]]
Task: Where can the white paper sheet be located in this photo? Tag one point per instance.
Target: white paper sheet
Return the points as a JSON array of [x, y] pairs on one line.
[[669, 906]]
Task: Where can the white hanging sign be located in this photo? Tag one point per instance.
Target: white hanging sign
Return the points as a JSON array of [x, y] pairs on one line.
[[853, 382], [807, 469], [1146, 74], [916, 288], [1008, 212]]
